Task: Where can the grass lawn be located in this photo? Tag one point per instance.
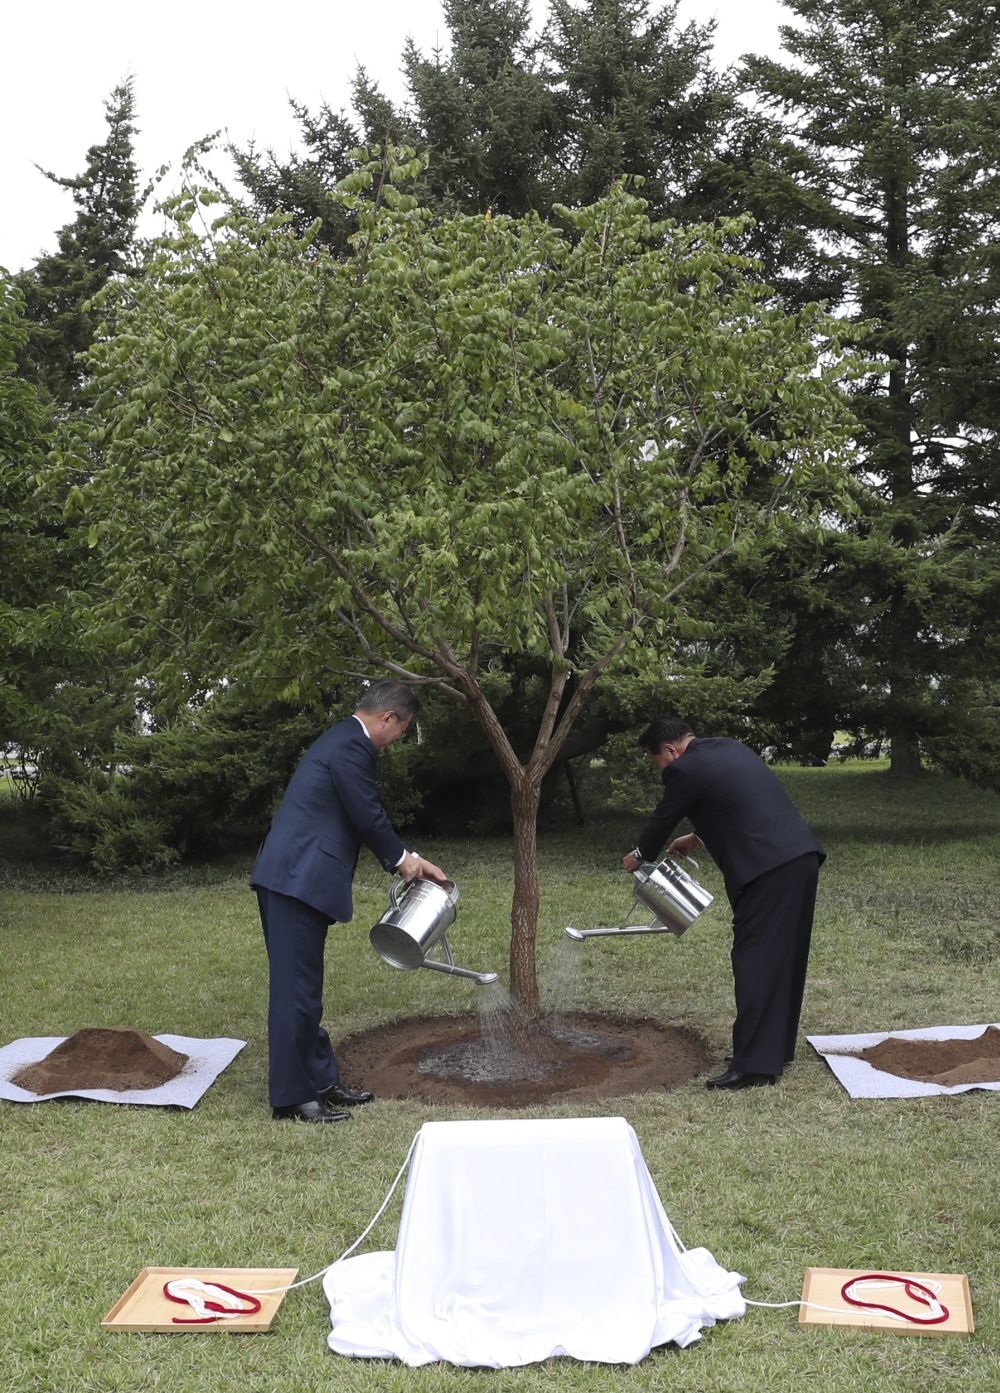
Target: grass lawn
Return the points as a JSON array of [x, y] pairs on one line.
[[770, 1181]]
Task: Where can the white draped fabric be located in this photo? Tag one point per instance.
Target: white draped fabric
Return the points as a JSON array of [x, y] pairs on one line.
[[520, 1240]]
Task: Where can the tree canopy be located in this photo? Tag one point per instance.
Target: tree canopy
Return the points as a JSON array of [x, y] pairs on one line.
[[475, 437]]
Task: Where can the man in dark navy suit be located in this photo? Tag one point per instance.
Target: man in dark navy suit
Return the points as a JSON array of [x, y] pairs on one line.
[[303, 877], [770, 863]]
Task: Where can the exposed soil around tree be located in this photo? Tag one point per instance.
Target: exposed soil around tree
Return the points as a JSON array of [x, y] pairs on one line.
[[501, 1061], [116, 1057], [945, 1062], [498, 1059]]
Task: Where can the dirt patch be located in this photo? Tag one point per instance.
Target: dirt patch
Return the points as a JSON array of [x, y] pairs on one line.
[[945, 1062], [117, 1057], [509, 1063]]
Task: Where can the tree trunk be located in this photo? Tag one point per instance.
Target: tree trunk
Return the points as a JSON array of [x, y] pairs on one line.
[[574, 793], [904, 756], [524, 910]]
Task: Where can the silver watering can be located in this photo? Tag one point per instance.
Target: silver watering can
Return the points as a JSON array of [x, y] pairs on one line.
[[674, 898], [417, 921]]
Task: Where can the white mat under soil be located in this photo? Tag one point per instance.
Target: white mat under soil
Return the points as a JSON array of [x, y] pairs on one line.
[[863, 1080], [207, 1059]]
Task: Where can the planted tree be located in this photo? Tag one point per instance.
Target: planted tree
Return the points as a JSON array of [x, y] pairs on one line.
[[474, 438]]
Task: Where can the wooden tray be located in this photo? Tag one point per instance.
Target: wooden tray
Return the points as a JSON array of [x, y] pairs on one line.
[[823, 1285], [144, 1307]]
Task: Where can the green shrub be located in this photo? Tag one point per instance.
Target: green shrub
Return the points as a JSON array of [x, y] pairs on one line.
[[100, 822]]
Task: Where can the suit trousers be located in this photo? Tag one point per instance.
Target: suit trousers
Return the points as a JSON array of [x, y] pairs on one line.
[[772, 929], [301, 1061]]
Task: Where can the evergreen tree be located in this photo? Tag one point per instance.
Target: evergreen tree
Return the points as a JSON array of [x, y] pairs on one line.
[[888, 138], [516, 124], [22, 447], [486, 113], [303, 187], [63, 696], [636, 94], [95, 247], [61, 700]]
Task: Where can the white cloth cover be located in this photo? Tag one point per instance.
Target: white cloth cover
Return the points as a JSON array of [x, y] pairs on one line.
[[207, 1059], [863, 1080], [520, 1240]]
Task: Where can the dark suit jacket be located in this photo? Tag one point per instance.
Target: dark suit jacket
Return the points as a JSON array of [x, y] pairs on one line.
[[737, 806], [330, 807]]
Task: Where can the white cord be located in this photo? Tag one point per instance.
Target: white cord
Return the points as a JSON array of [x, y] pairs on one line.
[[856, 1285], [272, 1291], [193, 1299], [197, 1294], [813, 1305]]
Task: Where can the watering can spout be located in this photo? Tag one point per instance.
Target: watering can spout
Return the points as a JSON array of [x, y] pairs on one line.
[[484, 979], [615, 931]]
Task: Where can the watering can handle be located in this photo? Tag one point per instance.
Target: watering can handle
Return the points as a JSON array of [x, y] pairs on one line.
[[397, 885], [694, 863]]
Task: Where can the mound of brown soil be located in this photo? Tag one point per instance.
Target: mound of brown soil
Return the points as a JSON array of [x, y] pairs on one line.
[[945, 1062], [115, 1057], [508, 1063]]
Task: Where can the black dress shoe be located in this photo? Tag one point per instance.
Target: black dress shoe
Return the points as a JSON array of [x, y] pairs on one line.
[[345, 1097], [310, 1112], [732, 1078]]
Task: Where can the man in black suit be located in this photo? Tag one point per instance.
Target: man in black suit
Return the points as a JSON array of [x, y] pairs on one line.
[[770, 862], [303, 877]]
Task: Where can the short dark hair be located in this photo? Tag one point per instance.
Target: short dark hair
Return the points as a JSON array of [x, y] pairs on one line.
[[390, 696], [665, 730]]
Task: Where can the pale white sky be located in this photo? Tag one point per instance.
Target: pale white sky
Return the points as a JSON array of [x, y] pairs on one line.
[[201, 65]]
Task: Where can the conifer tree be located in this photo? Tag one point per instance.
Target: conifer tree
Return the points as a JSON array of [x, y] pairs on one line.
[[60, 696], [636, 94], [63, 696], [486, 111], [95, 247], [22, 446], [515, 123], [887, 159]]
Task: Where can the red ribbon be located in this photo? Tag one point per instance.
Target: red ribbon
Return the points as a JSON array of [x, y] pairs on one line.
[[251, 1309], [915, 1290]]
